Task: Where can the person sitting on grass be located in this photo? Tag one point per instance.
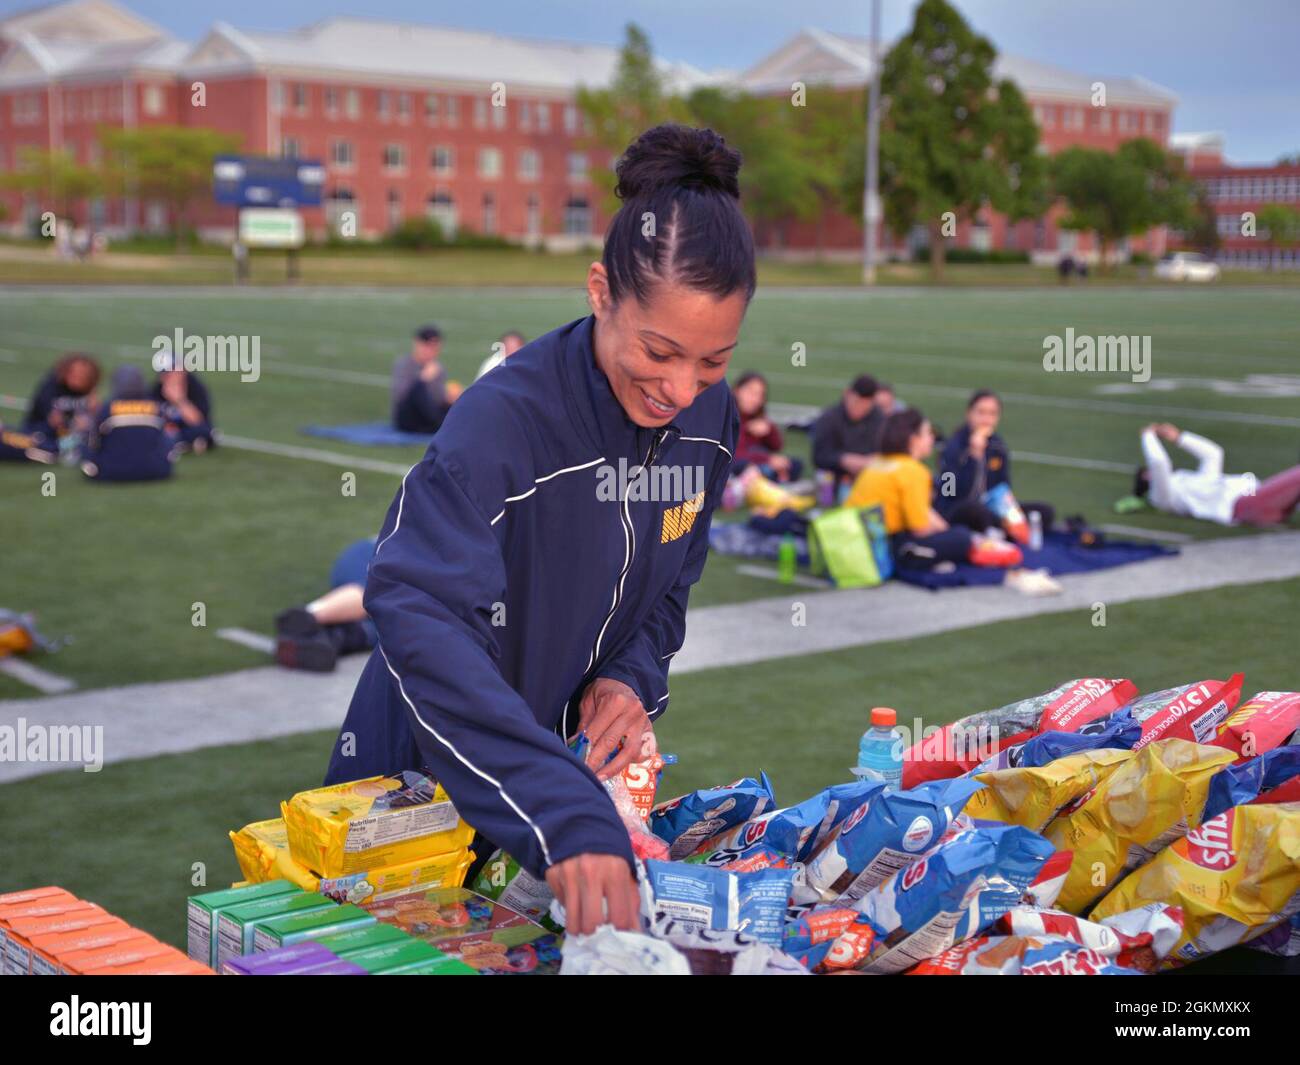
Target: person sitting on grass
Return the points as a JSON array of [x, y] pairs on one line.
[[975, 461], [27, 447], [847, 433], [1207, 492], [129, 442], [422, 395], [760, 440], [65, 402], [185, 405], [312, 637]]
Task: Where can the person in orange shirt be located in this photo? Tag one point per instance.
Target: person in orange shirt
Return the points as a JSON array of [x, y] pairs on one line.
[[899, 482]]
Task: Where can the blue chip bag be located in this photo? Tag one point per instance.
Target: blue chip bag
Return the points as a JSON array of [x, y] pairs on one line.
[[888, 832], [1119, 730], [697, 896], [1243, 782], [958, 889], [687, 821], [796, 831]]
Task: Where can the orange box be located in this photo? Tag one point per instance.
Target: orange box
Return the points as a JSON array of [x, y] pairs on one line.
[[178, 964], [23, 930], [32, 895], [141, 947], [47, 906], [48, 948]]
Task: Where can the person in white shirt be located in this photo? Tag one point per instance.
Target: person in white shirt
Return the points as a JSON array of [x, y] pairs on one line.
[[502, 349], [1207, 492]]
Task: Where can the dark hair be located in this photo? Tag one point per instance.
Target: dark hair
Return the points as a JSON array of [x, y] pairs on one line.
[[687, 180], [864, 385], [1141, 482], [899, 430], [746, 378], [66, 362], [983, 393]]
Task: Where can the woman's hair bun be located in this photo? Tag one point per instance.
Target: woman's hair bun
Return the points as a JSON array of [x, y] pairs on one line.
[[673, 156]]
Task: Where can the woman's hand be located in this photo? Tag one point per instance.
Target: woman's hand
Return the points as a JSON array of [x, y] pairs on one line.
[[759, 427], [611, 713], [595, 889], [979, 440]]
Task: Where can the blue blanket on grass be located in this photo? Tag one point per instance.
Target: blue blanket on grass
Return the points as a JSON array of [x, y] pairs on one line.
[[369, 434]]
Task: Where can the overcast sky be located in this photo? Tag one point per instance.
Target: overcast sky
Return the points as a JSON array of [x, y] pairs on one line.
[[1233, 65]]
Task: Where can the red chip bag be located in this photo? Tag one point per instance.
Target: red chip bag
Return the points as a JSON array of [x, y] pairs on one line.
[[960, 746], [1261, 724], [1188, 712]]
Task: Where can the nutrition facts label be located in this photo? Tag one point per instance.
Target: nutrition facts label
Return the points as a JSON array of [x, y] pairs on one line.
[[393, 826]]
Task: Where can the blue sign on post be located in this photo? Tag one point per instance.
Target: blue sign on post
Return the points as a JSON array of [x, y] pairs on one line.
[[261, 181]]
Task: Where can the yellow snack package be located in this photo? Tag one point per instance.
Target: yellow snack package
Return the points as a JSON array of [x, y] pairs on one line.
[[1149, 801], [1234, 877], [367, 824], [1032, 795], [262, 850]]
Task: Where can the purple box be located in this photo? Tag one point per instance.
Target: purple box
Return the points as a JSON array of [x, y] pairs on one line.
[[337, 967], [288, 959]]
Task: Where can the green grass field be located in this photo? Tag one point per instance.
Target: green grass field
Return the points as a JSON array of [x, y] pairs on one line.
[[248, 532]]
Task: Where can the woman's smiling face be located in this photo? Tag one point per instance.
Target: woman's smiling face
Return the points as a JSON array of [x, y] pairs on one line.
[[659, 357]]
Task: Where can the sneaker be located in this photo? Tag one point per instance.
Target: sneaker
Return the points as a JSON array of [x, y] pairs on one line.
[[302, 643], [1034, 582], [997, 553]]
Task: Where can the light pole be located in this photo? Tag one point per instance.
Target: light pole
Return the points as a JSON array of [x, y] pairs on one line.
[[870, 194]]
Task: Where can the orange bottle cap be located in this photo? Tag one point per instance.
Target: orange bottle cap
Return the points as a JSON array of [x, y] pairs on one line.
[[883, 717]]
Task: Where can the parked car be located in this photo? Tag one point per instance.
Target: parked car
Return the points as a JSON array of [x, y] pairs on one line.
[[1187, 266]]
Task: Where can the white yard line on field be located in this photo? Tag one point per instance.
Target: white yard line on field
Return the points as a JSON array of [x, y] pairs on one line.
[[254, 641], [43, 681]]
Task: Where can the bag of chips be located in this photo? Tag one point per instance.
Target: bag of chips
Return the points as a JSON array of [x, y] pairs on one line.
[[829, 938], [1115, 731], [1251, 781], [1188, 712], [1261, 724], [1146, 803], [1032, 795], [887, 833], [717, 899], [962, 745], [953, 893], [687, 821], [1235, 876]]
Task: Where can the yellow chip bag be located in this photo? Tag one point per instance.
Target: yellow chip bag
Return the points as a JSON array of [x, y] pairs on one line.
[[262, 850], [1144, 805], [1032, 795], [366, 824], [1234, 877]]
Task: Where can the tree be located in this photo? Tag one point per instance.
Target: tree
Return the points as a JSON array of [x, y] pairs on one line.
[[634, 102], [1203, 233], [54, 176], [168, 163], [952, 139], [1281, 223], [1123, 193]]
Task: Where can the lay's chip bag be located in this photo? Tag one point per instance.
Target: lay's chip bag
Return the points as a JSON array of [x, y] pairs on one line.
[[1187, 712], [1253, 780], [1032, 795], [1234, 877], [1260, 724], [1150, 800], [688, 820]]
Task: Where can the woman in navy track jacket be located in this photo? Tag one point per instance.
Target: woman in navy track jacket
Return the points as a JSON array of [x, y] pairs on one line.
[[530, 580]]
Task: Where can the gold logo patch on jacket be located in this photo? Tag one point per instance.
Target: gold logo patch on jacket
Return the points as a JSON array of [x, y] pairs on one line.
[[678, 520]]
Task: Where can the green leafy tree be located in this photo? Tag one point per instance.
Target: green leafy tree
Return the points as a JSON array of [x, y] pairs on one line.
[[1282, 225], [1203, 232], [172, 164], [1122, 193], [953, 139], [55, 179]]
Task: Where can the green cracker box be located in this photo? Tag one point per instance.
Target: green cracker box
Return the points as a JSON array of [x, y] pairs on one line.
[[237, 924], [202, 913], [295, 927], [374, 935], [396, 957]]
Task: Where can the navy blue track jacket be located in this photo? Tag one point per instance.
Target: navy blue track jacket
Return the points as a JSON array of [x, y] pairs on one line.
[[514, 568]]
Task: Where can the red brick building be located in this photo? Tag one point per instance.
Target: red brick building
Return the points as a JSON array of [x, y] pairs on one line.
[[1236, 191]]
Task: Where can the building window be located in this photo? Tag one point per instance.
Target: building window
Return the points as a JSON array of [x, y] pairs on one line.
[[577, 166], [543, 118], [290, 148], [577, 217], [341, 154], [499, 116], [489, 162], [441, 208], [300, 99], [277, 97], [443, 159], [431, 109], [453, 111], [404, 106], [529, 165], [394, 206], [352, 103], [570, 119], [340, 207], [330, 101], [1103, 120], [384, 105], [480, 113], [394, 157], [525, 116], [489, 213], [152, 101]]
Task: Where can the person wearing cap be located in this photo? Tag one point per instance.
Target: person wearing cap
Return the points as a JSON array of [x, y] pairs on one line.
[[848, 433], [130, 441], [185, 404], [422, 395]]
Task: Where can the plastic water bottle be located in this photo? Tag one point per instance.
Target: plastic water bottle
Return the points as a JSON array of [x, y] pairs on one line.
[[880, 751], [1035, 530], [786, 559]]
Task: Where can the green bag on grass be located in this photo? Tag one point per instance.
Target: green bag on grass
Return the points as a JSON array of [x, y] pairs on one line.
[[850, 545]]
